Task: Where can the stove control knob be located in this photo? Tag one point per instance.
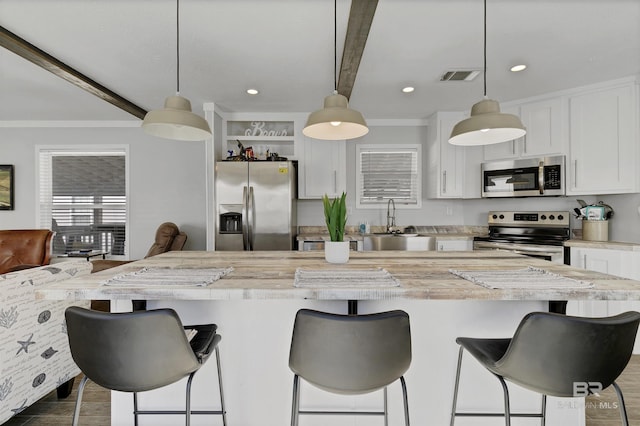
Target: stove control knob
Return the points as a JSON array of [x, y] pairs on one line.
[[501, 216], [495, 216], [543, 217], [551, 217], [560, 217]]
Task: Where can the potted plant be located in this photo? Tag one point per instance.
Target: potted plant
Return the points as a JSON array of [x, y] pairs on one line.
[[335, 216]]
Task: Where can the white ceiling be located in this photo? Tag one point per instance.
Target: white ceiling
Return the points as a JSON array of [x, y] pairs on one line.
[[284, 48]]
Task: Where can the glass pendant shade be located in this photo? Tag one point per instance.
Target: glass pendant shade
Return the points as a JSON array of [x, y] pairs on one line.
[[486, 126], [176, 121], [336, 121]]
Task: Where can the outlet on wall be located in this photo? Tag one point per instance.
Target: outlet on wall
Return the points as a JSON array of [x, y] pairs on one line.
[[449, 211]]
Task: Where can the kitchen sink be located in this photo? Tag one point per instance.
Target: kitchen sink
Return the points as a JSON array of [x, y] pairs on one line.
[[397, 242]]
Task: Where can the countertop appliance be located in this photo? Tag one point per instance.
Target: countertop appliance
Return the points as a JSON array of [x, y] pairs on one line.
[[255, 205], [532, 177], [533, 233]]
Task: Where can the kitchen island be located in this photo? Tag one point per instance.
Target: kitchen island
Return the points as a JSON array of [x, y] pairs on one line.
[[254, 306]]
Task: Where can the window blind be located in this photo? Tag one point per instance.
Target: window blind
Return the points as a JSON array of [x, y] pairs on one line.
[[385, 173], [82, 197]]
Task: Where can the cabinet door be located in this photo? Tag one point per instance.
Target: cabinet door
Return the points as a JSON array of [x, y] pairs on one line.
[[543, 121], [603, 142], [323, 169], [504, 150], [454, 245], [445, 174]]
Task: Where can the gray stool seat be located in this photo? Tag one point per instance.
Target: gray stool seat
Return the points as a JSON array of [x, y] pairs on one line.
[[555, 355], [140, 351], [349, 355]]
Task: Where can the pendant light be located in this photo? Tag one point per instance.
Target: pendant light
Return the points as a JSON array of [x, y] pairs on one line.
[[487, 125], [336, 121], [175, 120]]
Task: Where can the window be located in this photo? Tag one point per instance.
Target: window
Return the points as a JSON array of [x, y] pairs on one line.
[[385, 172], [83, 198]]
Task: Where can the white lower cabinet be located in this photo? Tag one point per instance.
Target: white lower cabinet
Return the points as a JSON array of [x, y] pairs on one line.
[[621, 263], [454, 245]]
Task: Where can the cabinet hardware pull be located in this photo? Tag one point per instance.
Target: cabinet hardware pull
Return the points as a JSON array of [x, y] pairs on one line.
[[575, 173], [444, 182]]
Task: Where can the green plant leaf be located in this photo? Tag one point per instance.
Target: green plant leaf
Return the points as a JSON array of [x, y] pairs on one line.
[[335, 215]]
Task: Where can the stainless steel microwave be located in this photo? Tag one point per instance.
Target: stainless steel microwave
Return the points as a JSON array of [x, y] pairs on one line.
[[532, 177]]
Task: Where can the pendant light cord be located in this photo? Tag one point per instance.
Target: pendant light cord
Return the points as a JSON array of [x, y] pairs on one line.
[[485, 48], [177, 47], [335, 46]]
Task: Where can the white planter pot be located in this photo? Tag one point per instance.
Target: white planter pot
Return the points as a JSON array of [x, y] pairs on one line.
[[336, 251]]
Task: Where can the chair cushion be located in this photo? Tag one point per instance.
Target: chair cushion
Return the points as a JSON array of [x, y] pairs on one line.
[[165, 235], [24, 247], [486, 351]]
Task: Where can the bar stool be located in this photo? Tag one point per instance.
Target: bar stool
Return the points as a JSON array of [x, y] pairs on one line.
[[140, 351], [350, 355], [556, 355]]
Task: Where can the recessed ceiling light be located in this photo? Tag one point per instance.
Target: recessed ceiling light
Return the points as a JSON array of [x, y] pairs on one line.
[[517, 68], [252, 91], [408, 89]]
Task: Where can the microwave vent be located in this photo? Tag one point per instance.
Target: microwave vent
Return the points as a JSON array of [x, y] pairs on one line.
[[460, 75]]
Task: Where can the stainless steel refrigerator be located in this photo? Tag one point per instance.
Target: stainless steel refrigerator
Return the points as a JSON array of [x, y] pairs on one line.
[[255, 205]]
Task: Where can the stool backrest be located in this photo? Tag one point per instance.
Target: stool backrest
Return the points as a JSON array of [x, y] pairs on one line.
[[553, 354], [130, 352], [350, 354]]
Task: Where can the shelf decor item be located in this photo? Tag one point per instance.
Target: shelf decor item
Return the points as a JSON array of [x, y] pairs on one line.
[[335, 216]]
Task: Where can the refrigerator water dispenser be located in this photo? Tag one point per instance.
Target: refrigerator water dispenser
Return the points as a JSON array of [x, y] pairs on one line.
[[231, 223]]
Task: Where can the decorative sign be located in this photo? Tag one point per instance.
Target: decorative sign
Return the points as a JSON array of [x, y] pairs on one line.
[[6, 187], [258, 128]]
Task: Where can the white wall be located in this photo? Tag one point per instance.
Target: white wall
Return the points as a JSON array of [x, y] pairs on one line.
[[167, 179]]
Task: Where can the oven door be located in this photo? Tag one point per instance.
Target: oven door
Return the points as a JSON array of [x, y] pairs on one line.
[[553, 254]]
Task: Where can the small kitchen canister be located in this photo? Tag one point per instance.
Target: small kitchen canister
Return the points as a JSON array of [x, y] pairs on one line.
[[595, 230]]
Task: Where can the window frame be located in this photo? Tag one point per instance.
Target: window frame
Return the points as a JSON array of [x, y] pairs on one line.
[[84, 149], [414, 149]]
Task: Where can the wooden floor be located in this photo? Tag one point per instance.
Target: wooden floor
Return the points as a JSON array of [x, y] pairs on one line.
[[50, 411]]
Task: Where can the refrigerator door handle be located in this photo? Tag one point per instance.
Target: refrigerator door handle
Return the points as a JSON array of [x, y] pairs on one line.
[[245, 222], [251, 218]]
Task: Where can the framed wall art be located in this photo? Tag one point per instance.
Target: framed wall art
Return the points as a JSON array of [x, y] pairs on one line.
[[7, 185]]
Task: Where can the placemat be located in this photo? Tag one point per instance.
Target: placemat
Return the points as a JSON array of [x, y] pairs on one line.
[[529, 277], [344, 278], [169, 276]]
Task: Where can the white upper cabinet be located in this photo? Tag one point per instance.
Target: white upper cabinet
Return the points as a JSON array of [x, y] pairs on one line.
[[544, 122], [322, 169], [603, 139], [445, 162]]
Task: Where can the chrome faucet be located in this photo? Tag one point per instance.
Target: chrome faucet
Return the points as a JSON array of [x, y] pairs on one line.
[[391, 218]]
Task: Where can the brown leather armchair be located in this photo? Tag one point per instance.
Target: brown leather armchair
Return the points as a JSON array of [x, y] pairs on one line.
[[24, 248], [168, 238]]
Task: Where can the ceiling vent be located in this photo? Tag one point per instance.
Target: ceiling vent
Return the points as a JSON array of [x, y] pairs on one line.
[[460, 75]]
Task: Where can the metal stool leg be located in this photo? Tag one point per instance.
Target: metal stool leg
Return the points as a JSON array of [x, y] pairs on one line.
[[135, 408], [507, 408], [386, 407], [187, 410], [296, 401], [76, 411], [406, 400], [543, 419], [455, 389], [623, 408], [222, 406]]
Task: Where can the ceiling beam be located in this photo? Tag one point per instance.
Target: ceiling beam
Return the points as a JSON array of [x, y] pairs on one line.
[[41, 58], [360, 18]]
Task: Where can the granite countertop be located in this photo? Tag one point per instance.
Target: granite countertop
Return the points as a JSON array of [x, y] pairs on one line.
[[270, 275]]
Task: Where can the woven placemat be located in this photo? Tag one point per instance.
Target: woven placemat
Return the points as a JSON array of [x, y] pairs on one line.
[[169, 276], [377, 277], [529, 277]]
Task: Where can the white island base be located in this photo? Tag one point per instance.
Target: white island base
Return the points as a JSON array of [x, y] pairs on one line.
[[258, 383]]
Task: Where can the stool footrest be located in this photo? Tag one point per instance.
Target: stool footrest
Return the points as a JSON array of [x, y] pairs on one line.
[[350, 413], [497, 415]]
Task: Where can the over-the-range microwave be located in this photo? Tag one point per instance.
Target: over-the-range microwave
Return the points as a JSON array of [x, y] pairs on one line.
[[532, 177]]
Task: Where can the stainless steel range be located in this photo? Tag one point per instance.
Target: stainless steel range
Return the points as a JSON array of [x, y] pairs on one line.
[[538, 234]]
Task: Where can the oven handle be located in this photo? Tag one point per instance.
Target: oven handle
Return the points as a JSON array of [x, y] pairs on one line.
[[523, 252], [541, 177], [482, 245]]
